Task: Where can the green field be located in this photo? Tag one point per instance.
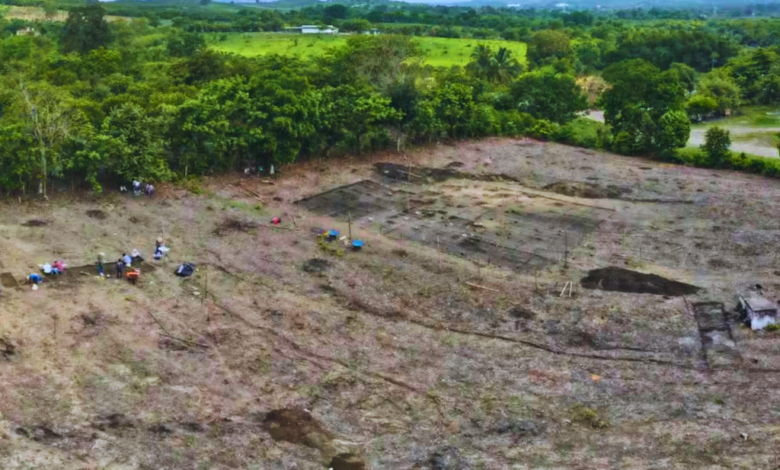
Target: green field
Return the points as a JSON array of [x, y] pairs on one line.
[[439, 52]]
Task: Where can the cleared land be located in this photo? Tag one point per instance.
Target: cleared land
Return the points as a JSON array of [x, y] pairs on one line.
[[440, 345], [38, 14], [443, 52]]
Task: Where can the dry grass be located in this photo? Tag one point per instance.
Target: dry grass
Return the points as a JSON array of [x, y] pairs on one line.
[[404, 355]]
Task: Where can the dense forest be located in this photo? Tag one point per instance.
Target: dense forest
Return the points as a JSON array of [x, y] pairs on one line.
[[88, 101]]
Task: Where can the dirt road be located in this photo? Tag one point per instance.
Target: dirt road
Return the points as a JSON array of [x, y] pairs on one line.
[[756, 148], [697, 136]]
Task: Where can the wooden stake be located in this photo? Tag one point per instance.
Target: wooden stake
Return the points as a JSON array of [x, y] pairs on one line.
[[349, 220], [206, 294], [564, 289], [438, 248], [481, 287], [566, 251]]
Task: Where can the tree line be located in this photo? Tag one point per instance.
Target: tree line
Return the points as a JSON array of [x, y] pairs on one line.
[[88, 102]]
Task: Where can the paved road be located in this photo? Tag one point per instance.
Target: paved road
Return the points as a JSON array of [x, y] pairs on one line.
[[697, 137]]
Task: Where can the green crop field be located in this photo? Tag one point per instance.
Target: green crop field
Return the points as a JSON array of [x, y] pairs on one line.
[[440, 52]]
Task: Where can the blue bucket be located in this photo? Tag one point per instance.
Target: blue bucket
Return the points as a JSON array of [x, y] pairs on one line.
[[333, 234], [357, 245]]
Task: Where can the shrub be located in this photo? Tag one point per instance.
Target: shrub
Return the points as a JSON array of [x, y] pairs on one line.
[[584, 415], [772, 327], [716, 146], [543, 129]]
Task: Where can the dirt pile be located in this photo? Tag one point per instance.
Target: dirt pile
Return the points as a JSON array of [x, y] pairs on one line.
[[587, 190], [347, 462], [624, 280], [298, 427], [8, 280]]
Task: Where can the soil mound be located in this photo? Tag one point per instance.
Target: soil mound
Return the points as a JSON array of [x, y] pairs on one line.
[[35, 223], [587, 190], [347, 462], [624, 280], [97, 214], [296, 426], [8, 280]]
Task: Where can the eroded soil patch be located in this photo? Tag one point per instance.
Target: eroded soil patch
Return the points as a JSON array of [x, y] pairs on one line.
[[625, 280]]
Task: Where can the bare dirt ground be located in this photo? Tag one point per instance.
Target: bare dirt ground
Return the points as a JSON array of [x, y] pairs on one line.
[[436, 347]]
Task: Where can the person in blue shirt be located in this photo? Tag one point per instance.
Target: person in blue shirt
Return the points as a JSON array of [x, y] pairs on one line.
[[34, 278]]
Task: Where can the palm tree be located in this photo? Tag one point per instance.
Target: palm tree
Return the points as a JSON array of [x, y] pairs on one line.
[[498, 67], [503, 67], [480, 61]]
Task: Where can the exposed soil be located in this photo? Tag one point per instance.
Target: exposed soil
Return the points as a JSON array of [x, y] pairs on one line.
[[297, 426], [8, 280], [234, 225], [35, 223], [97, 214], [625, 280], [587, 190], [424, 352], [421, 174], [347, 461]]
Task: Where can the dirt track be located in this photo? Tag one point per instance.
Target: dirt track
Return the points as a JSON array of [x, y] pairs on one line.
[[697, 139], [697, 136]]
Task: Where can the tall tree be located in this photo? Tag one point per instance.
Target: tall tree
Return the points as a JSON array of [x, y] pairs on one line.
[[639, 97], [545, 94], [85, 29]]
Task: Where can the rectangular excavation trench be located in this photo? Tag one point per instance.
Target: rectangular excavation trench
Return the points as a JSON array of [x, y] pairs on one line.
[[524, 242]]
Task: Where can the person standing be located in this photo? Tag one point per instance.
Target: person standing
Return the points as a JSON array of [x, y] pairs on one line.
[[120, 268], [100, 264]]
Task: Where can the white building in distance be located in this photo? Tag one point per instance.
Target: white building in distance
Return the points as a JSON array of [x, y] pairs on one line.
[[313, 29]]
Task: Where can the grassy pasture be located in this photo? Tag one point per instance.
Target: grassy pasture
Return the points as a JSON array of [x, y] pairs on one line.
[[440, 52]]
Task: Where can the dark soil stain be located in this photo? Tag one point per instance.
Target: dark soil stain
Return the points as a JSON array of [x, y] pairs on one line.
[[624, 280], [234, 225], [317, 265], [587, 190], [422, 174], [97, 214], [35, 223]]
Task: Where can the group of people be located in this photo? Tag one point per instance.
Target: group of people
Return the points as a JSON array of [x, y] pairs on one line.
[[123, 266], [138, 188]]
